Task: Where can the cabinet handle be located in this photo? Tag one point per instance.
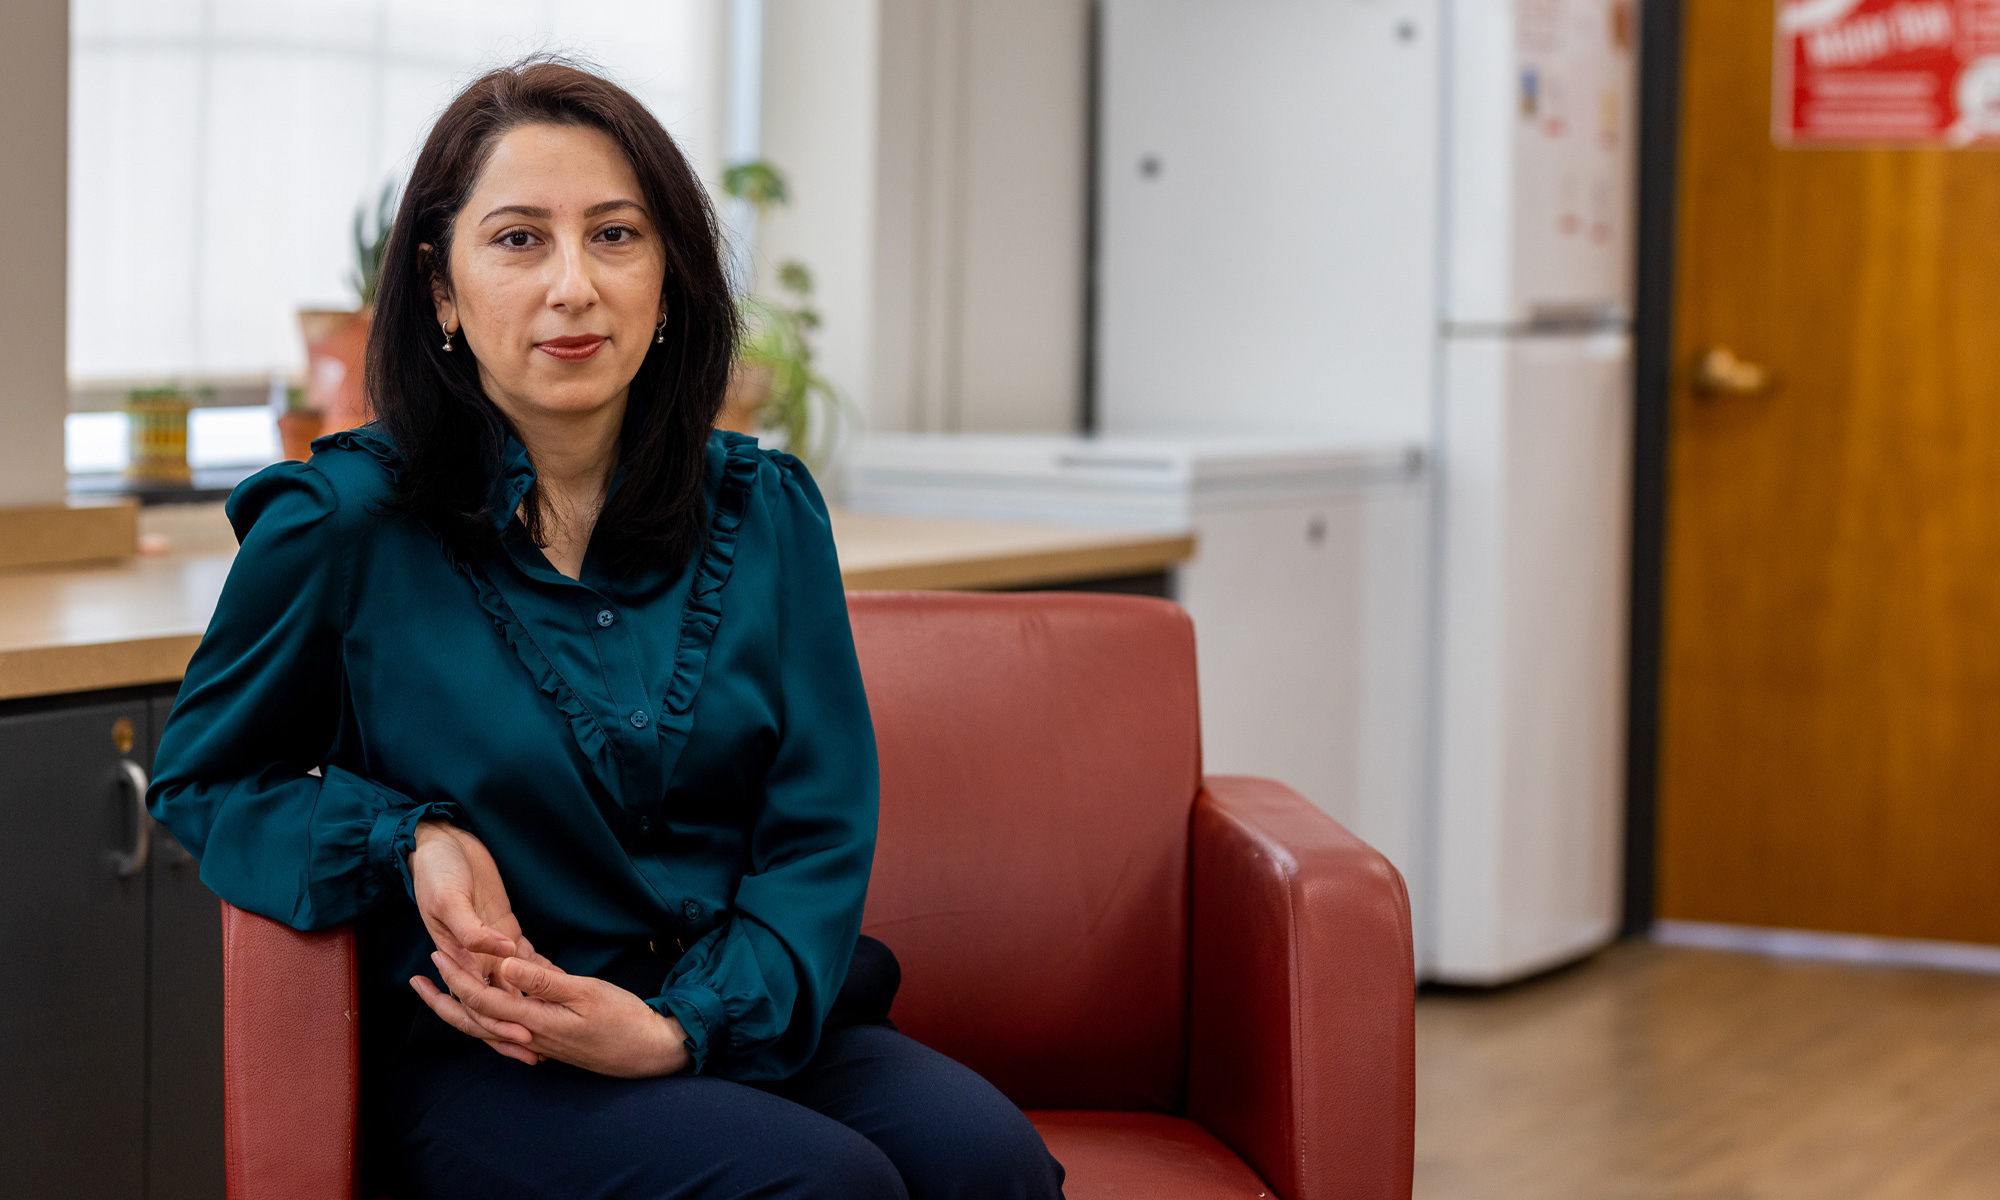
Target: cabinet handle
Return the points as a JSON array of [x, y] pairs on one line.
[[130, 863]]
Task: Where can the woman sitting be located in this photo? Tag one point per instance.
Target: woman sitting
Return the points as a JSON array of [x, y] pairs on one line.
[[548, 687]]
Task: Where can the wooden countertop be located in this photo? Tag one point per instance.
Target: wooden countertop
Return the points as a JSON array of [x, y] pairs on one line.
[[137, 621], [878, 550]]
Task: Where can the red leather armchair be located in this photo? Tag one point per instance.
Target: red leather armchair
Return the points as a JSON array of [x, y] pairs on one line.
[[1197, 988]]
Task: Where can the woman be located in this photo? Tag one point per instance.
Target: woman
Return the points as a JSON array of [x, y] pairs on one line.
[[549, 687]]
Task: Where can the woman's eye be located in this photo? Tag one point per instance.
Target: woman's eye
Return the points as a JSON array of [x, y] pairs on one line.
[[619, 233], [517, 239]]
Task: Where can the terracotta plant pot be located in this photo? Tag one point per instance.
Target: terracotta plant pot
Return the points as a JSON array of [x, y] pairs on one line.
[[336, 349], [296, 431], [742, 404]]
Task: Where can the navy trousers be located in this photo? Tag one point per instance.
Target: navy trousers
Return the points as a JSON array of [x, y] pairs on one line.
[[874, 1115]]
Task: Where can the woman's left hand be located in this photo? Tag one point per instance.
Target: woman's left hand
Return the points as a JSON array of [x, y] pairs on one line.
[[579, 1019]]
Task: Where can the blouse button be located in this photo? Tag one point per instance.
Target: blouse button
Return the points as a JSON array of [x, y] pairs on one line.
[[691, 911], [645, 826], [605, 617], [639, 718]]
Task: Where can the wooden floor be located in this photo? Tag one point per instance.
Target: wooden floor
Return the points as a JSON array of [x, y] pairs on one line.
[[1662, 1073]]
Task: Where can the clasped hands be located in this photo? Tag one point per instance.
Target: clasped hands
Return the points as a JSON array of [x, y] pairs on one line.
[[507, 995]]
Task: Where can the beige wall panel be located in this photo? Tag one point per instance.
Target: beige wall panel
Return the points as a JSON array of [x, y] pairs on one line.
[[34, 192], [895, 402], [937, 154], [1023, 196], [819, 108]]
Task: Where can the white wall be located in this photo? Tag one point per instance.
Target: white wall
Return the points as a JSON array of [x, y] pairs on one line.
[[936, 150], [34, 193]]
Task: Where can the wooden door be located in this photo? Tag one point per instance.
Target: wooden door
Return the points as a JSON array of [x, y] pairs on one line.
[[73, 937], [1830, 741]]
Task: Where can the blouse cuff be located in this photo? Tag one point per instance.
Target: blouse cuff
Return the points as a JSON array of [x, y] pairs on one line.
[[699, 1011], [394, 836]]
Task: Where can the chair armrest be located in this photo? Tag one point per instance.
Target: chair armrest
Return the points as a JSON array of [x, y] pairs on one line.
[[1303, 1045], [291, 1060]]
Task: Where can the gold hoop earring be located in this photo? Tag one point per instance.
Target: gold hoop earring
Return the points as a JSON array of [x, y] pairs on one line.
[[660, 331], [446, 326]]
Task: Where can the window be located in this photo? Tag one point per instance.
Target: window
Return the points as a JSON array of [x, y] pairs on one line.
[[220, 148]]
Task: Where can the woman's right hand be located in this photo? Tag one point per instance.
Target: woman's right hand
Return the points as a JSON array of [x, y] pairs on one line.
[[464, 905]]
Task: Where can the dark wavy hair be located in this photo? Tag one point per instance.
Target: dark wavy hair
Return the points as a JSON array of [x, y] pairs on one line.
[[450, 436]]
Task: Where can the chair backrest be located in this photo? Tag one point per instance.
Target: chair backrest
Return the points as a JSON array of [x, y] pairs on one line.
[[1040, 757], [291, 1060]]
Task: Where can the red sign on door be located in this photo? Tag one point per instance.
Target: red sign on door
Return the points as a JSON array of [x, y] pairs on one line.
[[1888, 71]]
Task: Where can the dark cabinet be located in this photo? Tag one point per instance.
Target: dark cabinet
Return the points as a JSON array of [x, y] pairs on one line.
[[111, 1026], [183, 1021], [73, 936]]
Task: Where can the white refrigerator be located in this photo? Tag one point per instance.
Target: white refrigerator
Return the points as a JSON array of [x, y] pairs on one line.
[[1413, 219]]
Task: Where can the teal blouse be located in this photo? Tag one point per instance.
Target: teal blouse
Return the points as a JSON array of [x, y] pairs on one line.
[[678, 759]]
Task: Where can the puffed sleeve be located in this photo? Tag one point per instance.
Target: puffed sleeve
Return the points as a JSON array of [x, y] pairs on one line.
[[258, 711], [753, 993]]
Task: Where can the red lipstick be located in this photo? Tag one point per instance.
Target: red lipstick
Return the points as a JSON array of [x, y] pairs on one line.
[[574, 348]]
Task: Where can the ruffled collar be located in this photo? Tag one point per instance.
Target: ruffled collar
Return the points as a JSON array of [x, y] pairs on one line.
[[368, 439], [517, 475], [510, 485], [732, 480]]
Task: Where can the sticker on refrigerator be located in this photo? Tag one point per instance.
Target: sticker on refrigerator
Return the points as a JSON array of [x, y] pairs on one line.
[[1887, 72]]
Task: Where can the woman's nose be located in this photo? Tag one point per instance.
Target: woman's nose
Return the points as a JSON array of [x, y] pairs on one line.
[[572, 288]]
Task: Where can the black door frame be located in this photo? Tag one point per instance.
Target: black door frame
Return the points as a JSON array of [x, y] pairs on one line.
[[1652, 361]]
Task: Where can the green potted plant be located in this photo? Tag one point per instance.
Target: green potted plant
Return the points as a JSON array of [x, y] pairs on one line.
[[337, 339], [773, 387]]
